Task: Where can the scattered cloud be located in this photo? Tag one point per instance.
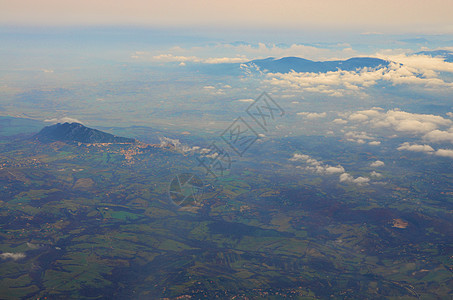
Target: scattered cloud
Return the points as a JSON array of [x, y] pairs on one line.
[[63, 120], [418, 70], [422, 64], [13, 256], [400, 120], [358, 117], [224, 60], [375, 174], [239, 53], [444, 153], [439, 136], [416, 148], [339, 121], [245, 100], [377, 163], [262, 50], [394, 123], [213, 90], [317, 166], [312, 115], [358, 137], [168, 57], [430, 128], [175, 144], [346, 177], [333, 170]]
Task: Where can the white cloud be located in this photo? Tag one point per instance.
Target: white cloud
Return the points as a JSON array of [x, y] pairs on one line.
[[375, 174], [13, 256], [377, 163], [409, 122], [224, 60], [168, 57], [405, 122], [175, 144], [397, 123], [358, 137], [245, 100], [333, 170], [358, 117], [213, 90], [438, 136], [450, 114], [63, 120], [317, 166], [423, 64], [402, 70], [346, 177], [299, 157], [339, 121], [428, 128], [263, 50], [415, 148], [312, 115], [445, 153]]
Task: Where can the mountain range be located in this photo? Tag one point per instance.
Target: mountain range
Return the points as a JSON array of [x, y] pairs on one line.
[[76, 132], [445, 54], [287, 64], [297, 64]]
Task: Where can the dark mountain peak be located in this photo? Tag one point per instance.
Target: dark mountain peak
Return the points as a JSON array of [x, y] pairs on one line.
[[286, 64], [76, 132], [291, 63]]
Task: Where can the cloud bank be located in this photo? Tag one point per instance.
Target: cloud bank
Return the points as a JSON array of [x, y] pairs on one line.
[[414, 70]]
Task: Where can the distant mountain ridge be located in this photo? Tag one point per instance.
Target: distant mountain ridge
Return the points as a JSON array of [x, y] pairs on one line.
[[286, 64], [76, 132], [447, 55]]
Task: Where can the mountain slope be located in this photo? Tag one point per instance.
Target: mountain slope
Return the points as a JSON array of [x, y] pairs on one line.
[[286, 64], [445, 54], [75, 132]]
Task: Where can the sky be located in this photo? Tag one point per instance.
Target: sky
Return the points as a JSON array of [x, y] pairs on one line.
[[385, 16], [89, 60]]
